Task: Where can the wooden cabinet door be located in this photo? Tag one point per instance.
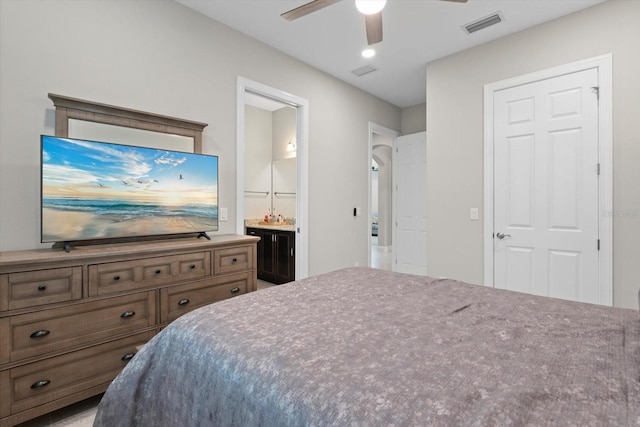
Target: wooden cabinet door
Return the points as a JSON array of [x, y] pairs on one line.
[[284, 253], [276, 255], [268, 256]]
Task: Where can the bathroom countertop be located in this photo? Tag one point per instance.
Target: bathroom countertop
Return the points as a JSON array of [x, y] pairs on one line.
[[270, 226]]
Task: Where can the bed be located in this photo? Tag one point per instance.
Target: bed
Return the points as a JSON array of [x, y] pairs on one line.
[[366, 347]]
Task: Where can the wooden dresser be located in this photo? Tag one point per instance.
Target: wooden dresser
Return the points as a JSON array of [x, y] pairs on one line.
[[69, 322]]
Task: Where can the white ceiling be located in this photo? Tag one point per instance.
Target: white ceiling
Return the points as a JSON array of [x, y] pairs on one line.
[[415, 32]]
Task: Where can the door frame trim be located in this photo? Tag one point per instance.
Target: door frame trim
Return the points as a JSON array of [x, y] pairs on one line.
[[302, 163], [603, 64]]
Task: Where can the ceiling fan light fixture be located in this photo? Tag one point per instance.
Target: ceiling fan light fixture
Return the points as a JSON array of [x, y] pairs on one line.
[[368, 53], [370, 7]]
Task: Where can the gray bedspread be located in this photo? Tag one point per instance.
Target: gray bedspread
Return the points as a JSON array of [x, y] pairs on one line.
[[365, 347]]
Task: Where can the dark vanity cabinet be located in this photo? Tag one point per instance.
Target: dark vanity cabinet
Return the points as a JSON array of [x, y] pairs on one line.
[[276, 254]]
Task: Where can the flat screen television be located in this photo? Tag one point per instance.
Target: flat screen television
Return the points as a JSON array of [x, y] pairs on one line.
[[97, 190]]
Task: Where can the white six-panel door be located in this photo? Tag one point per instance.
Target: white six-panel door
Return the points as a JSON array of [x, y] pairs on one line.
[[546, 187], [410, 180]]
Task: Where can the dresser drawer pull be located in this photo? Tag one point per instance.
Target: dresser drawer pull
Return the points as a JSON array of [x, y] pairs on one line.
[[116, 278], [40, 333], [158, 271], [127, 357], [192, 266], [40, 384], [128, 314], [234, 260], [42, 288], [183, 301], [235, 290]]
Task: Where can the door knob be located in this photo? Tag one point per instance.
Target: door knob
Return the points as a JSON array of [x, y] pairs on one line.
[[502, 235]]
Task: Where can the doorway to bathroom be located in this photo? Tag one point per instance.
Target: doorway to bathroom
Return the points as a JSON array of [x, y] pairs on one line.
[[272, 178], [270, 186]]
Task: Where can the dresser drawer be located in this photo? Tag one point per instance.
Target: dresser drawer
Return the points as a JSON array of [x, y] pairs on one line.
[[38, 333], [233, 260], [178, 300], [55, 378], [39, 287], [115, 277]]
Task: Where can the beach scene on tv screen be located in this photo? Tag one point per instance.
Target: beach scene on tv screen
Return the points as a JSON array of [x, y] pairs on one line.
[[93, 190]]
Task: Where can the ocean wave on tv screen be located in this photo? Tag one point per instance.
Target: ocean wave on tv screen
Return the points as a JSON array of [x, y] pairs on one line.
[[129, 209]]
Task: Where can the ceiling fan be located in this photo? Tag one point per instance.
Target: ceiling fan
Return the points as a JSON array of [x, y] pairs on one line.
[[372, 19]]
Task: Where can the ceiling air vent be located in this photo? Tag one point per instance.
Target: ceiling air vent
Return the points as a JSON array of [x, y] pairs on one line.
[[483, 23], [364, 70]]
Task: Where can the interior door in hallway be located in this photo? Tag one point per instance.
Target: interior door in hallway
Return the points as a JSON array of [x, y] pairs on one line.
[[546, 187], [410, 172]]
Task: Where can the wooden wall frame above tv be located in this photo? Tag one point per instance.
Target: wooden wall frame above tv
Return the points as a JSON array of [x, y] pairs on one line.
[[79, 109]]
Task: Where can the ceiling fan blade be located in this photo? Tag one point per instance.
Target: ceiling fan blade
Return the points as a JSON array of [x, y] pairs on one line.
[[307, 8], [374, 28]]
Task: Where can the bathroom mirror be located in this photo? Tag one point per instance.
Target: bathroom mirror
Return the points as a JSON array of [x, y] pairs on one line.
[[283, 184]]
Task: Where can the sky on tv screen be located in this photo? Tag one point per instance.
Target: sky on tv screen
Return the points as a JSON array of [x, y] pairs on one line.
[[94, 190]]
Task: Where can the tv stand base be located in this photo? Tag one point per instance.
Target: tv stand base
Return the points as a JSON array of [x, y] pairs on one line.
[[64, 245]]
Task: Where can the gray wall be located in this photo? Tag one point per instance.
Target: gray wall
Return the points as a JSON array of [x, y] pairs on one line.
[[164, 58], [455, 137], [413, 119]]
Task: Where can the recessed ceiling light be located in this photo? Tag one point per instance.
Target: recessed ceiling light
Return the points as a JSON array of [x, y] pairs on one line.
[[369, 7], [368, 53]]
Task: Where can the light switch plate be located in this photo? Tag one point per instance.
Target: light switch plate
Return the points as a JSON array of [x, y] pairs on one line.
[[224, 214], [473, 214]]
